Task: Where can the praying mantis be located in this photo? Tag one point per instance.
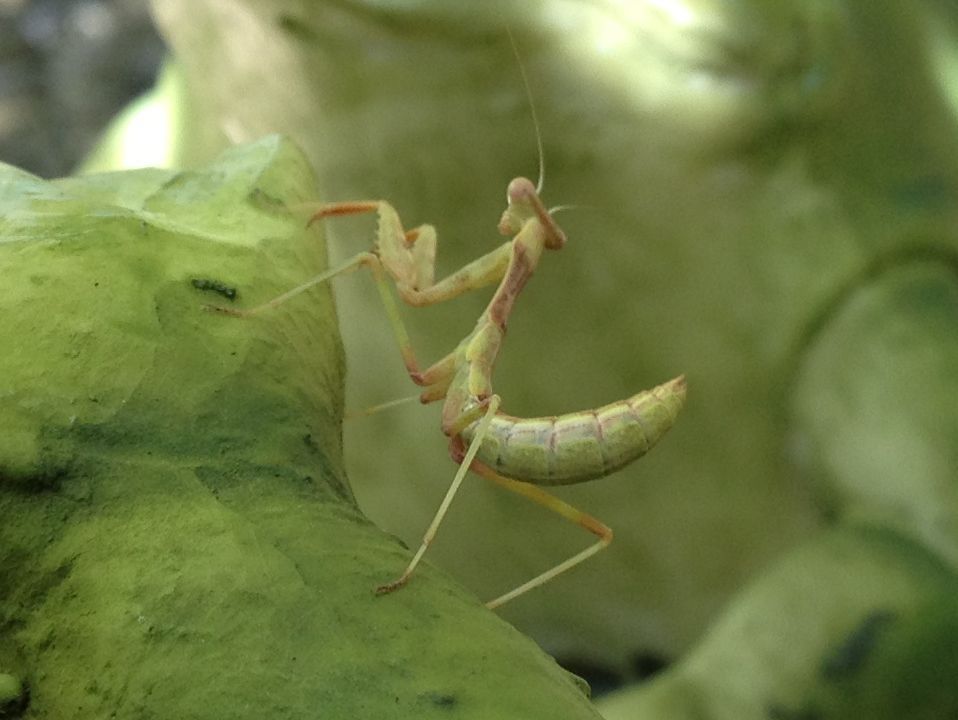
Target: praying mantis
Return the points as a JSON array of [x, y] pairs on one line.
[[518, 454]]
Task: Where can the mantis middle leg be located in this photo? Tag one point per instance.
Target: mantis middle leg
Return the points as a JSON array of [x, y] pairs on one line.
[[489, 412]]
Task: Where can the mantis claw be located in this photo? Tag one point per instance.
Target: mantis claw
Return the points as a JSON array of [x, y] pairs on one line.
[[221, 310], [389, 587]]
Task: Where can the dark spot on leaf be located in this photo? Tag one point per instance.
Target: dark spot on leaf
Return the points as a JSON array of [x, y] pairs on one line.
[[205, 284], [47, 477], [16, 706], [262, 200], [440, 700], [852, 654]]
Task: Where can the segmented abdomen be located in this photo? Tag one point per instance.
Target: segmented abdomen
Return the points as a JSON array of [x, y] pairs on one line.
[[581, 446]]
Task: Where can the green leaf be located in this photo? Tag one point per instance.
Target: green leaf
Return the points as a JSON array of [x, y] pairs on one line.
[[178, 538]]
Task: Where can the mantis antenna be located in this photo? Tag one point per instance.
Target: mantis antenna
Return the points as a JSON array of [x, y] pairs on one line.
[[532, 108]]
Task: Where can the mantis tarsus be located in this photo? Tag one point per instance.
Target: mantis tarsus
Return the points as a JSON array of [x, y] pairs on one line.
[[515, 453]]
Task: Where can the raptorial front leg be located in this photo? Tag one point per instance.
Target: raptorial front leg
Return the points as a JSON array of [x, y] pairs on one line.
[[481, 272], [409, 256]]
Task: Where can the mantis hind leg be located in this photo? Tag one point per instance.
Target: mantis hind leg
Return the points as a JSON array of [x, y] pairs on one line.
[[551, 502]]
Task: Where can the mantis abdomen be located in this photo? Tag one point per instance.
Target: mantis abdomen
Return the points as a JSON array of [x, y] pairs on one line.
[[580, 446]]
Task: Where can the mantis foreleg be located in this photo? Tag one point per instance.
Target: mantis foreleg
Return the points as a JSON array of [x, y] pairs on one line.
[[409, 257]]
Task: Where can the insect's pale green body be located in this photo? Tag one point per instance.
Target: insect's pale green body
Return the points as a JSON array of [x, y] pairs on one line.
[[580, 446]]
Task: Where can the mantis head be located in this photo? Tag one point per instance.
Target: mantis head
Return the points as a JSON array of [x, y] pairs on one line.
[[525, 206]]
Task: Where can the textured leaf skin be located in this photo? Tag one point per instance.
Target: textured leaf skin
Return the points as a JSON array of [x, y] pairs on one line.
[[178, 539]]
